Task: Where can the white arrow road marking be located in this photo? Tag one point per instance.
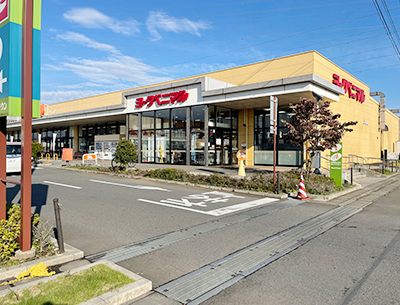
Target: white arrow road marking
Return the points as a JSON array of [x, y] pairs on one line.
[[221, 211], [141, 187], [61, 184]]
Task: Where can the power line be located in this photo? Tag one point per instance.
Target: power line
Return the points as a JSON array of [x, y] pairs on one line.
[[387, 29]]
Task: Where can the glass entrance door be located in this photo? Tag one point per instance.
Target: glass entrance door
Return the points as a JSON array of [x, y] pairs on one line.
[[223, 146]]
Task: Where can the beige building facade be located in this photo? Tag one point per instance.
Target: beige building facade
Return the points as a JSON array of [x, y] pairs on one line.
[[207, 119]]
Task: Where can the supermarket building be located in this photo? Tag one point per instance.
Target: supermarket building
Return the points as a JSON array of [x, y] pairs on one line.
[[206, 119]]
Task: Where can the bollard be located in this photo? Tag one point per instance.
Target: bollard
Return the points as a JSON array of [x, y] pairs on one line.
[[278, 184], [60, 238], [351, 176]]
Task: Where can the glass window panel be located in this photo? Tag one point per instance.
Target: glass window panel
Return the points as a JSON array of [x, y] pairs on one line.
[[178, 117], [197, 139], [197, 116], [234, 146], [133, 122], [197, 158], [211, 116], [285, 113], [111, 128], [148, 120], [162, 119], [91, 131], [283, 140], [101, 130], [178, 139], [223, 117], [134, 137], [147, 145], [234, 114], [162, 146], [178, 157], [122, 129]]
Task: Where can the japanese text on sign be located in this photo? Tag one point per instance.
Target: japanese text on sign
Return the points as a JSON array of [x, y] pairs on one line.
[[352, 90], [162, 99]]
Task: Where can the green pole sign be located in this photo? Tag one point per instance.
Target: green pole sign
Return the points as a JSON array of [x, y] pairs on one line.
[[11, 57], [336, 163]]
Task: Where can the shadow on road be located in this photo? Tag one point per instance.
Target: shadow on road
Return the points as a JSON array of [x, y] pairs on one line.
[[39, 195]]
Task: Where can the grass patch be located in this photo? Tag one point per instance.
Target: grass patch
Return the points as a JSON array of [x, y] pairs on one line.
[[70, 289], [385, 171]]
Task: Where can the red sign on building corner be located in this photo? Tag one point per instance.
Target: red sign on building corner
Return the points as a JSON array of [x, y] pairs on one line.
[[3, 10]]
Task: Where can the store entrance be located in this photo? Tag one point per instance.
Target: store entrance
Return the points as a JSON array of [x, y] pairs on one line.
[[221, 146]]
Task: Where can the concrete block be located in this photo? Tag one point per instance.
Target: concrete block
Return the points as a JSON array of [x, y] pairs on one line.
[[19, 255]]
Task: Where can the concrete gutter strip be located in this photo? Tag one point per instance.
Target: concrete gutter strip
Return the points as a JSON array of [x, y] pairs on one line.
[[140, 287], [69, 255], [335, 195]]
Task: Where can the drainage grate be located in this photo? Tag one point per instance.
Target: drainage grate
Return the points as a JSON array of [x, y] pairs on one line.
[[201, 284], [129, 251]]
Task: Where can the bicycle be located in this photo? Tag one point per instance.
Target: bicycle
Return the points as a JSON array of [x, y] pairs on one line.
[[120, 166]]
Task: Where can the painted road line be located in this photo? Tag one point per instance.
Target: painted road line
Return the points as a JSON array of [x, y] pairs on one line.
[[65, 185], [241, 206], [141, 187], [221, 211]]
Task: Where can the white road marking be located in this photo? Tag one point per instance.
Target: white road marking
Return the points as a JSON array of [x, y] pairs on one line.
[[141, 187], [65, 185], [221, 211], [35, 167]]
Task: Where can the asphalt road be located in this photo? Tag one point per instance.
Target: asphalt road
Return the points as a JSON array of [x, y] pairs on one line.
[[101, 212], [355, 262]]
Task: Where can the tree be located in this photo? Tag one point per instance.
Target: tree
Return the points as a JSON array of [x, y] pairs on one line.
[[315, 125], [125, 153], [37, 149]]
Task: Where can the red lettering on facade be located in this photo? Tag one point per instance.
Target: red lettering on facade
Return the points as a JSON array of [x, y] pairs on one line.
[[350, 89], [174, 97]]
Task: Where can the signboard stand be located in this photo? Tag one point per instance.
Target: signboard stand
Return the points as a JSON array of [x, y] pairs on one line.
[[273, 103], [241, 155], [336, 163]]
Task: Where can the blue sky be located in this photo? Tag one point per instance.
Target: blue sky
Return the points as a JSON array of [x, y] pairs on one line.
[[95, 47]]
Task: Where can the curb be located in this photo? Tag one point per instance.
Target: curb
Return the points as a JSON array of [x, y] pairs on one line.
[[129, 292], [335, 195], [69, 255]]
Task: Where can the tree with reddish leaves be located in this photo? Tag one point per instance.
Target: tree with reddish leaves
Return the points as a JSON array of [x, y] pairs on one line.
[[316, 127]]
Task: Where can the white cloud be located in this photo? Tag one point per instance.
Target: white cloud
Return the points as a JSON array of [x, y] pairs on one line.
[[159, 21], [193, 69], [93, 19], [115, 69], [87, 42]]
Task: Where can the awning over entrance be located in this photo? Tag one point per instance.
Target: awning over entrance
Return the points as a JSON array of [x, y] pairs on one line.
[[288, 90]]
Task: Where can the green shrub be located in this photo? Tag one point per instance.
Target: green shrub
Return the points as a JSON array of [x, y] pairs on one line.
[[167, 174], [37, 149], [10, 230], [125, 153]]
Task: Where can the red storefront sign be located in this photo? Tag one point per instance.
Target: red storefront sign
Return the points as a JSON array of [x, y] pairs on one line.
[[352, 90], [162, 99], [3, 10]]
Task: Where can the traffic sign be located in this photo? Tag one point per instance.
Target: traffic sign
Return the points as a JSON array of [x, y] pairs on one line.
[[11, 57]]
